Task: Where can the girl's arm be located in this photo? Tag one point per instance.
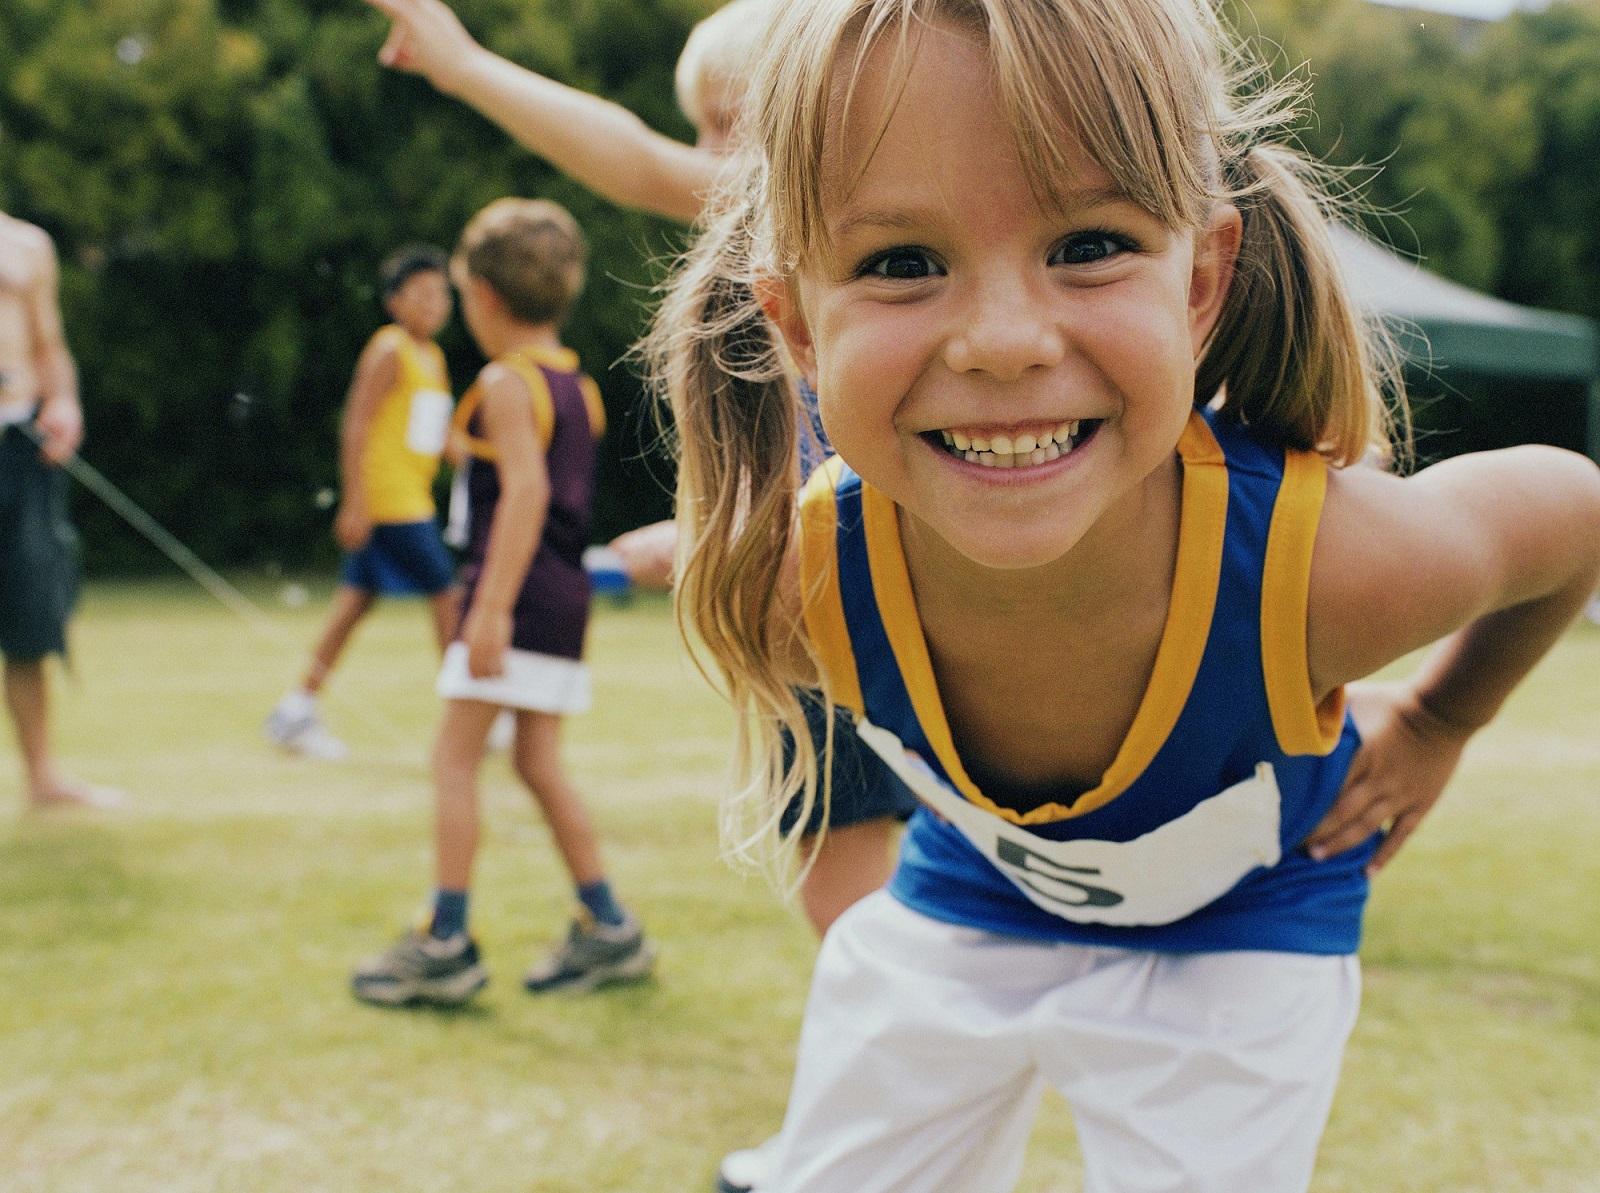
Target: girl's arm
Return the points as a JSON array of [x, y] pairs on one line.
[[518, 518], [602, 145], [376, 373], [1489, 555]]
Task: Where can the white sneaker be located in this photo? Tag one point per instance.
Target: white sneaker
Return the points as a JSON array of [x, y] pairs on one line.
[[294, 727], [746, 1170], [503, 733]]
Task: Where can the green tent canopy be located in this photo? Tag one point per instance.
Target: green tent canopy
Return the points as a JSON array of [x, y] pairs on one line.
[[1449, 330]]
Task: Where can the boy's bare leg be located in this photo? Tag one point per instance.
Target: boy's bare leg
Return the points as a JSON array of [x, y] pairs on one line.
[[446, 610], [350, 605], [28, 698], [851, 863], [536, 755], [457, 754]]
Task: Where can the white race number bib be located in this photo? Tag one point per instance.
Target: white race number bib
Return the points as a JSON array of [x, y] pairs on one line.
[[428, 422], [1170, 872]]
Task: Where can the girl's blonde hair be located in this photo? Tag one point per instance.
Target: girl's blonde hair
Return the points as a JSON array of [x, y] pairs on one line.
[[1160, 97]]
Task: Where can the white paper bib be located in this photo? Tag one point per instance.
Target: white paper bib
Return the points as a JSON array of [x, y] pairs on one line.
[[1170, 872], [428, 422]]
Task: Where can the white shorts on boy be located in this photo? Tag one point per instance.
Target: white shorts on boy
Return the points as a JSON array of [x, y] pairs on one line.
[[927, 1046], [538, 682]]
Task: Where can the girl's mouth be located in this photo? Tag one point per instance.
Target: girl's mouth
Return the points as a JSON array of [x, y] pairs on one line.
[[1021, 449]]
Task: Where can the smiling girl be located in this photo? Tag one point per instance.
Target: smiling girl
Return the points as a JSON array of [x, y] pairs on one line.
[[1092, 571]]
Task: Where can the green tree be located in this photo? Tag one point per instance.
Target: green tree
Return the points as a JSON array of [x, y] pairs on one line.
[[222, 178]]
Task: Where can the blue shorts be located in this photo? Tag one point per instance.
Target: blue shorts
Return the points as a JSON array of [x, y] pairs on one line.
[[400, 559], [864, 788]]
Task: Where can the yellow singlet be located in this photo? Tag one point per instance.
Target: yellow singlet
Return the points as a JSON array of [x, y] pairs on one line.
[[408, 433]]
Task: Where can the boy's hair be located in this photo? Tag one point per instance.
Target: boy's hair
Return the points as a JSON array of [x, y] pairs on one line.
[[1166, 103], [402, 265], [530, 252], [719, 49]]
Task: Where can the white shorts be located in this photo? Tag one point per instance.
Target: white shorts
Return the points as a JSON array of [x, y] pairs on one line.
[[540, 682], [926, 1048]]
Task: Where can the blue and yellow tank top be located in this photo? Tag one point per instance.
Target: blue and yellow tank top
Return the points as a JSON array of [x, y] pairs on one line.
[[408, 431], [1191, 840]]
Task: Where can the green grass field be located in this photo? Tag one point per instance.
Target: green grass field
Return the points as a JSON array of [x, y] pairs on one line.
[[174, 1013]]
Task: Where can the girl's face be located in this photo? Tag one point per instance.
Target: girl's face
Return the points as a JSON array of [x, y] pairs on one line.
[[1009, 375], [422, 303]]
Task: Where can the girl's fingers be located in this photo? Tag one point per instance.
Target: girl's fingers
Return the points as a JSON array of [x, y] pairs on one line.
[[1348, 830], [1348, 806], [1403, 827]]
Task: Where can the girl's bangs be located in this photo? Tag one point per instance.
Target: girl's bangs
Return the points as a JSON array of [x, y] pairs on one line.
[[1125, 80]]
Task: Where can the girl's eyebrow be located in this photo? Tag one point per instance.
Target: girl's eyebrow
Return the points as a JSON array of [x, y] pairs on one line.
[[904, 219]]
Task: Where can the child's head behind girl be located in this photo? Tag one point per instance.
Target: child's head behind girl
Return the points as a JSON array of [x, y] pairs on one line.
[[977, 223], [520, 264], [416, 289], [713, 67]]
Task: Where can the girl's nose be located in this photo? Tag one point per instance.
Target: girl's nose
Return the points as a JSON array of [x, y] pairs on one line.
[[1005, 336]]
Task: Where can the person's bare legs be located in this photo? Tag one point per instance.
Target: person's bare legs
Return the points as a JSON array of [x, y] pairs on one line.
[[28, 698], [851, 863], [350, 605], [457, 754], [445, 608], [536, 755]]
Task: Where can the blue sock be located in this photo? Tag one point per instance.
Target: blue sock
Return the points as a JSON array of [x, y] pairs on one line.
[[602, 904], [449, 914]]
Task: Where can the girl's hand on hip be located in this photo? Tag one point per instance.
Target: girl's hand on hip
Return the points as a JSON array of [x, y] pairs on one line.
[[1407, 756]]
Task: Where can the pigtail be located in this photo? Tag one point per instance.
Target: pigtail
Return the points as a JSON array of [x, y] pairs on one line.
[[1291, 354], [737, 422]]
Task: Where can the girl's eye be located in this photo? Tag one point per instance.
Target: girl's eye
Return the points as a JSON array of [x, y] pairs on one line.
[[901, 264], [1089, 248]]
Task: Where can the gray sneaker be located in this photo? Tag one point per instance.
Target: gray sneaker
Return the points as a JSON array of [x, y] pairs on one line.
[[420, 968], [295, 728], [594, 955]]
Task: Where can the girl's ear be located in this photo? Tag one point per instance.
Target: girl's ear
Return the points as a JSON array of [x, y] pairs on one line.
[[1216, 252], [780, 303]]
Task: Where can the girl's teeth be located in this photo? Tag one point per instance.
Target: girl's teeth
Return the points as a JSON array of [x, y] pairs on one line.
[[1002, 451]]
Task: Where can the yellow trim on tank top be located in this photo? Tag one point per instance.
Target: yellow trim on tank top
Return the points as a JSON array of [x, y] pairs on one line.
[[1302, 726], [1202, 526], [821, 600]]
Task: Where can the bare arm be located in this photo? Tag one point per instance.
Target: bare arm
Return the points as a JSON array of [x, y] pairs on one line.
[[376, 373], [1491, 556], [518, 518], [602, 145], [60, 415]]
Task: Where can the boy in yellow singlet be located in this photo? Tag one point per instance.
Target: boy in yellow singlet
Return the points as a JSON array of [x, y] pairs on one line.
[[395, 424]]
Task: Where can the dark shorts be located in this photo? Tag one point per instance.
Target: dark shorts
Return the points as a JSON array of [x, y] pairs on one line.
[[38, 552], [863, 787], [401, 559]]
